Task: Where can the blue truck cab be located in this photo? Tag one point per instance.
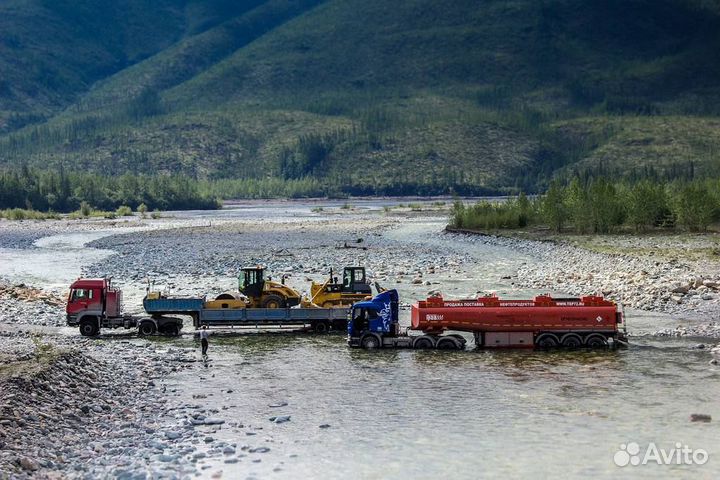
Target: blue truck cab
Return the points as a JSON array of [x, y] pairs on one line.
[[371, 321]]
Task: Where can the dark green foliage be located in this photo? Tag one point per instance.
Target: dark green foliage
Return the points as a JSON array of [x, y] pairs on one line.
[[694, 206], [600, 206], [310, 155], [493, 215], [65, 192], [647, 205], [554, 208]]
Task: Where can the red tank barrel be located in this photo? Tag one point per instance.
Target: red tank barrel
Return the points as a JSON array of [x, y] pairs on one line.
[[493, 314]]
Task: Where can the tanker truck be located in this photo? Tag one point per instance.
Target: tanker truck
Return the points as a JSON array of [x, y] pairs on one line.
[[543, 322]]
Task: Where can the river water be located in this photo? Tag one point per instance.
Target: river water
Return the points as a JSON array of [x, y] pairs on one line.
[[473, 414]]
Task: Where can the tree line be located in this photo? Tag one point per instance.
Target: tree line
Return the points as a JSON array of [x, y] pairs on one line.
[[600, 206], [61, 191]]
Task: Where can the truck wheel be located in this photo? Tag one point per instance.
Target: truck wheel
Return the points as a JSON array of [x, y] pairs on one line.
[[89, 328], [171, 330], [147, 328], [447, 343], [423, 343], [546, 341], [596, 341], [571, 341], [321, 327], [273, 301], [370, 342]]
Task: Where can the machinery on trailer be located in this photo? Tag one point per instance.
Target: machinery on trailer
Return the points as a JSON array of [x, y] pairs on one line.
[[94, 304], [353, 288], [543, 322], [265, 293]]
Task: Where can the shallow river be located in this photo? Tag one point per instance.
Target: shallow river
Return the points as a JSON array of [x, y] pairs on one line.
[[472, 414]]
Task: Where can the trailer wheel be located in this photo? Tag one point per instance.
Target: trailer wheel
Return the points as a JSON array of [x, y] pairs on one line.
[[370, 342], [321, 327], [447, 343], [89, 328], [571, 341], [546, 341], [147, 328], [423, 343], [596, 341], [273, 301]]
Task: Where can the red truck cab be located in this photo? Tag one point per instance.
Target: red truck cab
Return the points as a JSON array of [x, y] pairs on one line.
[[93, 299]]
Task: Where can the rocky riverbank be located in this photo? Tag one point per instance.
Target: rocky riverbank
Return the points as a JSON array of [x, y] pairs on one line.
[[80, 408]]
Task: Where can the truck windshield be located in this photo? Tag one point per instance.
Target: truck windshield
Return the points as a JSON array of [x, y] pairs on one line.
[[81, 294]]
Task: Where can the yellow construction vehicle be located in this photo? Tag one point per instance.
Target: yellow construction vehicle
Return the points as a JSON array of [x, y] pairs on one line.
[[332, 293], [262, 293]]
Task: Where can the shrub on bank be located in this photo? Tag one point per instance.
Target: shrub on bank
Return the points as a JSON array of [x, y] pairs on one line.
[[600, 206], [124, 211]]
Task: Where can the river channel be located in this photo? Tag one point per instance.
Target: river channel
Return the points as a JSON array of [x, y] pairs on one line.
[[425, 414]]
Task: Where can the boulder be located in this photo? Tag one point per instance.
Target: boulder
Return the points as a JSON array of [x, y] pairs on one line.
[[680, 288]]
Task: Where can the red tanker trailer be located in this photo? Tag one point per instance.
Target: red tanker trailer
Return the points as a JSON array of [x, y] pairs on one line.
[[543, 322]]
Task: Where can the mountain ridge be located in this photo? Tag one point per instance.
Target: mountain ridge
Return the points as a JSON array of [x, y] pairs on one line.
[[500, 95]]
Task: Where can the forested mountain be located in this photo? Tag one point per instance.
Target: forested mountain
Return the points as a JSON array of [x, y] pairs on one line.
[[370, 96]]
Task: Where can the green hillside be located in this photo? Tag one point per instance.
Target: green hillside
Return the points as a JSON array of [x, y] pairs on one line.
[[405, 97]]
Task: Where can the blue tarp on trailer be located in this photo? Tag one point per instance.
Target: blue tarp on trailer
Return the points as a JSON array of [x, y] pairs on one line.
[[173, 305]]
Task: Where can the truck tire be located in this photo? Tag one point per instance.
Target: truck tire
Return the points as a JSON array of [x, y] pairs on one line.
[[447, 343], [423, 343], [147, 328], [370, 342], [171, 330], [321, 327], [89, 328], [273, 301], [571, 341], [596, 341], [546, 341]]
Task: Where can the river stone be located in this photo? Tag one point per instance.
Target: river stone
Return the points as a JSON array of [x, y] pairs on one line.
[[700, 417], [29, 464], [173, 435], [259, 450], [214, 421], [280, 419]]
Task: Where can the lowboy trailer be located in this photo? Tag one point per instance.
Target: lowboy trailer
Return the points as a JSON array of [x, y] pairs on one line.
[[543, 322], [94, 304]]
